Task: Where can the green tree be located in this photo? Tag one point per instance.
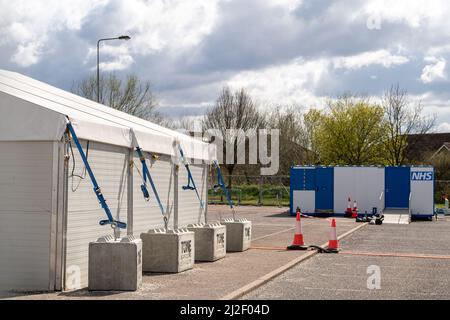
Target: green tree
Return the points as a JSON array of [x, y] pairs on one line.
[[352, 132]]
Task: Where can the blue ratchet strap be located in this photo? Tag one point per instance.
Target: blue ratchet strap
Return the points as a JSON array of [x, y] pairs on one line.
[[221, 183], [144, 183], [146, 174], [97, 190], [190, 178]]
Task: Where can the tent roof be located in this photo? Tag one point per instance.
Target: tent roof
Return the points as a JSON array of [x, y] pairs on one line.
[[32, 110]]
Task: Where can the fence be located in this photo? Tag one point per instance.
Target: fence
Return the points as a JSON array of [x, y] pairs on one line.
[[253, 190]]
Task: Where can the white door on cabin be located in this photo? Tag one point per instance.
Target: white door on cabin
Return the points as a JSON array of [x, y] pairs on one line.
[[305, 200], [422, 191]]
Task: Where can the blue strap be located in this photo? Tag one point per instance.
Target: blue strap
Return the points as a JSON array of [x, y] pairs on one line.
[[188, 186], [97, 189], [144, 182], [221, 183], [190, 177], [146, 174]]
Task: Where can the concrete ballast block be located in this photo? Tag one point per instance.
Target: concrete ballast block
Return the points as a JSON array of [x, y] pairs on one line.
[[169, 251], [239, 234], [210, 241], [115, 264]]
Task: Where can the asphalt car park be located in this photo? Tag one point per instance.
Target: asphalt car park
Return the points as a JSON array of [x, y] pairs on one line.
[[376, 262]]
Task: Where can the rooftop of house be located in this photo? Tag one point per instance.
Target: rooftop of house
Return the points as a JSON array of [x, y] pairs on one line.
[[421, 144]]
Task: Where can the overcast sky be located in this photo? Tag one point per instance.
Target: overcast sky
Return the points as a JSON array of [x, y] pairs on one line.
[[283, 51]]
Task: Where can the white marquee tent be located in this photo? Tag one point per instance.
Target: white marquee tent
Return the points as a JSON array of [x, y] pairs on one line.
[[48, 210]]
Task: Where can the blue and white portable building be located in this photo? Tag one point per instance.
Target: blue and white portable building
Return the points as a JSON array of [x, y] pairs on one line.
[[318, 190]]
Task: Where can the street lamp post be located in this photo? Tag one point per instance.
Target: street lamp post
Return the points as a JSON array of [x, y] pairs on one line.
[[98, 60]]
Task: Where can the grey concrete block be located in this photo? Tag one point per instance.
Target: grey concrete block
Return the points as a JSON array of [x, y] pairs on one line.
[[239, 234], [169, 251], [210, 241], [115, 265]]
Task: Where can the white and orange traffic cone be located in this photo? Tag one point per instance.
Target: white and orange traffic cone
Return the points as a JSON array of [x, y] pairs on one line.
[[348, 212], [333, 244], [298, 243], [355, 210]]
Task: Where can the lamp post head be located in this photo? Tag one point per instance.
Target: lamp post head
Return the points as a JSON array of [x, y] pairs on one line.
[[124, 38]]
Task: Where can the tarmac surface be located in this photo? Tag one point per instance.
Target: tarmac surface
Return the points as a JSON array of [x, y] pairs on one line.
[[412, 262], [273, 230]]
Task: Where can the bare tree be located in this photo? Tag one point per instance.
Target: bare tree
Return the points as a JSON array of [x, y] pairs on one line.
[[184, 123], [402, 119], [293, 137], [235, 111], [311, 123], [131, 95]]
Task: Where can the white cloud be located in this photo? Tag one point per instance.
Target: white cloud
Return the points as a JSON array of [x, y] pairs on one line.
[[111, 57], [167, 24], [121, 63], [414, 13], [288, 4], [379, 57], [27, 55], [285, 84], [296, 81], [433, 71], [443, 127], [19, 32], [438, 50], [29, 25]]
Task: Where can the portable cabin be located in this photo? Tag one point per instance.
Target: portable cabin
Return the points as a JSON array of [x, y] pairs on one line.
[[48, 209], [325, 190]]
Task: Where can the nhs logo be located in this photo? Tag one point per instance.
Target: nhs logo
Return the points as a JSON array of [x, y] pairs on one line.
[[422, 176]]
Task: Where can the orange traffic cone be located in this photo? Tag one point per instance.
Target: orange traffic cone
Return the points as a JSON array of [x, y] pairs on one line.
[[333, 244], [298, 243], [355, 210], [349, 210]]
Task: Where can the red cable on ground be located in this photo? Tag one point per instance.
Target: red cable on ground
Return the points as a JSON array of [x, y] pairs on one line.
[[396, 255], [269, 248]]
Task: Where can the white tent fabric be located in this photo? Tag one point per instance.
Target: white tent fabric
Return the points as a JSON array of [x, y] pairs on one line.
[[34, 111]]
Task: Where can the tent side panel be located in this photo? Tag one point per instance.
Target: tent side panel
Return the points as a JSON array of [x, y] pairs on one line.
[[189, 210], [25, 215], [25, 121], [147, 214], [110, 166]]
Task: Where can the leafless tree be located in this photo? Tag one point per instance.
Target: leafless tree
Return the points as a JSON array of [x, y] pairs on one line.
[[293, 137], [311, 123], [237, 111], [184, 123], [131, 95], [402, 119]]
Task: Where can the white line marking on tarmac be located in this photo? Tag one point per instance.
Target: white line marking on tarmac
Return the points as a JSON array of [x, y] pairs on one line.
[[273, 234], [266, 278]]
